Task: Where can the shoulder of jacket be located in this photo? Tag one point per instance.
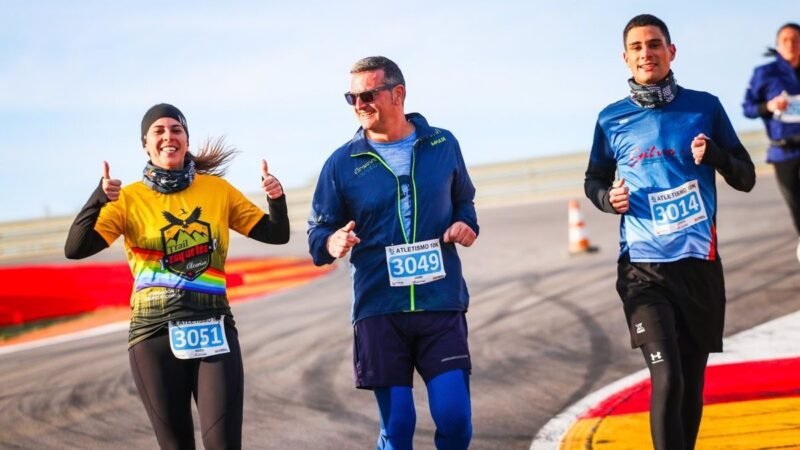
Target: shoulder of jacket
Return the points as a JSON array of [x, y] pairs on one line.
[[768, 68], [340, 154], [438, 136]]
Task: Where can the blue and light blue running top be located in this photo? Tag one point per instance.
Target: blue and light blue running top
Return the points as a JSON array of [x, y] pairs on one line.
[[673, 201]]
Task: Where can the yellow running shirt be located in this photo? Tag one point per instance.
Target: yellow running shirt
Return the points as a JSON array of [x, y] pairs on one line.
[[176, 246]]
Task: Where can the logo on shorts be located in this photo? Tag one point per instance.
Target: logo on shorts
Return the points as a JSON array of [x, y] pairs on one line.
[[639, 328], [656, 358], [450, 358]]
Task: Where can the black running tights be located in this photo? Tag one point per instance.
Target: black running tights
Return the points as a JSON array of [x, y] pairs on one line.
[[788, 175], [167, 384], [676, 404]]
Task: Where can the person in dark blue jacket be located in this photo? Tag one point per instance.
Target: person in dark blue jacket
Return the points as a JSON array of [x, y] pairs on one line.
[[397, 197], [774, 96]]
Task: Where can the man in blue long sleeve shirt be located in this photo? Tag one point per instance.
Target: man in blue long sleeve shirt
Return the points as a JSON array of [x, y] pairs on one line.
[[666, 143]]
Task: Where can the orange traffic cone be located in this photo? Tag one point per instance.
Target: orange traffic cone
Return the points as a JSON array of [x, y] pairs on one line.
[[578, 239]]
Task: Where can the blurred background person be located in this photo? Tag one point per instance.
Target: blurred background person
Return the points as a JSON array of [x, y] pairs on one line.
[[774, 96]]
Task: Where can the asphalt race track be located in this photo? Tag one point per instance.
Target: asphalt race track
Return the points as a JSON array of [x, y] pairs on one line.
[[546, 329]]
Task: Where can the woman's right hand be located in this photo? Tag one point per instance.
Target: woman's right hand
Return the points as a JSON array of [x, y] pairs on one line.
[[111, 187], [779, 103], [269, 183]]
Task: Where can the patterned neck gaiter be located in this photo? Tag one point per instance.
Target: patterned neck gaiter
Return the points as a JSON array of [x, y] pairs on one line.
[[169, 181], [654, 95]]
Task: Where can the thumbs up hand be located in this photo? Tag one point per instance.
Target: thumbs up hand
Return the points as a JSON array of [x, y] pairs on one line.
[[111, 187], [270, 184], [618, 196], [342, 240]]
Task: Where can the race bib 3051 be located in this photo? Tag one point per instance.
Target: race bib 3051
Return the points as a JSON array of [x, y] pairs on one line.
[[198, 339]]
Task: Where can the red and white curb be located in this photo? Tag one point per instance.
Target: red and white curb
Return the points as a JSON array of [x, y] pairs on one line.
[[775, 339]]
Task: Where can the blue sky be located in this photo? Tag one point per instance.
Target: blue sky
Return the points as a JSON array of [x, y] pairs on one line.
[[511, 79]]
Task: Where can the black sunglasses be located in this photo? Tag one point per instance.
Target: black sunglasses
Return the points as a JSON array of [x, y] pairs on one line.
[[366, 96]]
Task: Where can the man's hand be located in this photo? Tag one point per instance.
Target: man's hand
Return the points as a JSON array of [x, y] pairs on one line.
[[341, 241], [618, 196], [111, 187], [461, 233], [699, 148]]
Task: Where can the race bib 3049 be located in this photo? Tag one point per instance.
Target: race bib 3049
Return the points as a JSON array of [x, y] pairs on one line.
[[417, 263]]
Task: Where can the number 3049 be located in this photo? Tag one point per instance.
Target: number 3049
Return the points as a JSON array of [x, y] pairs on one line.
[[418, 264]]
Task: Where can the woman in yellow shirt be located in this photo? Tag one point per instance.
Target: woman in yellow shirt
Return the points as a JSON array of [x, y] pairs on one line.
[[182, 340]]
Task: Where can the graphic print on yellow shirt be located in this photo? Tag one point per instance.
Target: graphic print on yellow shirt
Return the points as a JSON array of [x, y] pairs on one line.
[[188, 245], [178, 240]]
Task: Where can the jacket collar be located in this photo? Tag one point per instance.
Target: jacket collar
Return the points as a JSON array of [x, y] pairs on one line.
[[784, 64], [359, 143]]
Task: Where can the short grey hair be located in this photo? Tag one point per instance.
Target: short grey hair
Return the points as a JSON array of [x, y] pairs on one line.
[[391, 73]]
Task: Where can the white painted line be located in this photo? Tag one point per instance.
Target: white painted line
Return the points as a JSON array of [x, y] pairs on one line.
[[91, 332], [772, 340], [775, 339]]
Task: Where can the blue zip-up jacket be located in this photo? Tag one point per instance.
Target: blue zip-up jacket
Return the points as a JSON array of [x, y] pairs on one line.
[[356, 184], [767, 82]]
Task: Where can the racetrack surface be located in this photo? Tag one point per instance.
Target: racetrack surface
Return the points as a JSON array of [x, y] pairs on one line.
[[546, 329]]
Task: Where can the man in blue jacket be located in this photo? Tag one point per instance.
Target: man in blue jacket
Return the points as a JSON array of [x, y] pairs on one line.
[[774, 96], [398, 197]]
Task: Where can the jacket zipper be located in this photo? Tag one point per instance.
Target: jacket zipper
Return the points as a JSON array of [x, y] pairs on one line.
[[412, 296]]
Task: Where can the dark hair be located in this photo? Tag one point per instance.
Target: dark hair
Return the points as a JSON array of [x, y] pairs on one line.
[[643, 20], [791, 25], [391, 73], [213, 157]]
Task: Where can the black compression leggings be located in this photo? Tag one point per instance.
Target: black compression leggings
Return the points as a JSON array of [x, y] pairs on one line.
[[788, 175], [676, 404], [167, 384]]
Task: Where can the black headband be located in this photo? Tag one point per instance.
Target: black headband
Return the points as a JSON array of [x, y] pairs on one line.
[[159, 111]]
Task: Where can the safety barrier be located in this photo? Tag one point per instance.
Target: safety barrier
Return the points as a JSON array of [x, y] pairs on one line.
[[72, 289], [497, 184]]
